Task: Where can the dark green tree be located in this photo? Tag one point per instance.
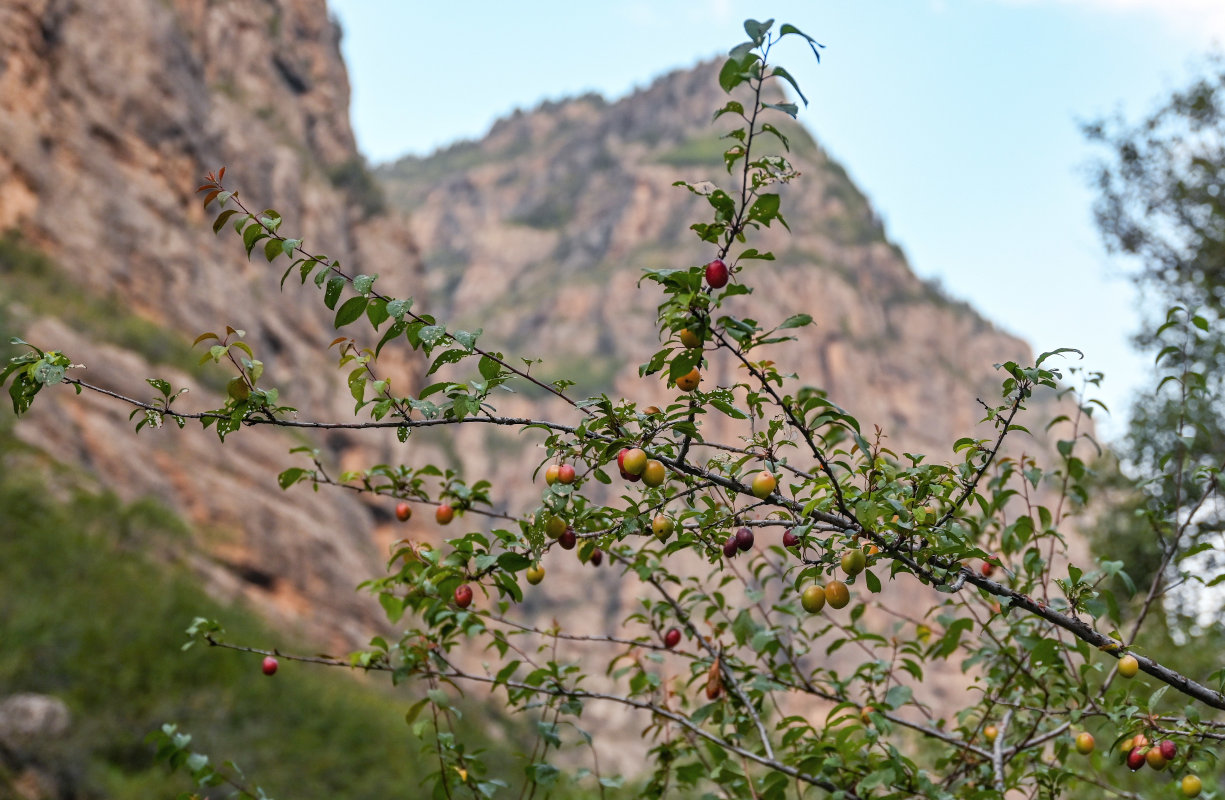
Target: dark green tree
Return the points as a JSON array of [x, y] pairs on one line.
[[1162, 205]]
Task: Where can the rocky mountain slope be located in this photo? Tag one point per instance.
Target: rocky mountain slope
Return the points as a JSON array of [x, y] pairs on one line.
[[110, 114], [540, 231]]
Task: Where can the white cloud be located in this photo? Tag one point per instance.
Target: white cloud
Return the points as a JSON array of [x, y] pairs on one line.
[[1202, 21]]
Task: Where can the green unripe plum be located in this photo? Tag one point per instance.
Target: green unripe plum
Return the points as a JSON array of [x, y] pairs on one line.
[[854, 561], [813, 599]]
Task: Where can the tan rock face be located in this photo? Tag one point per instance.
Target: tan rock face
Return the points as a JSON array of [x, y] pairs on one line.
[[539, 233], [110, 115]]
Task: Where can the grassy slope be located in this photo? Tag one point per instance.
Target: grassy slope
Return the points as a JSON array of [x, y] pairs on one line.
[[85, 617]]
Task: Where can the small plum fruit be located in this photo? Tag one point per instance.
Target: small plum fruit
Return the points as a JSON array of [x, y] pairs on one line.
[[1191, 786], [837, 594], [813, 599], [634, 461], [555, 526], [269, 666], [661, 526], [596, 558], [990, 733], [404, 512], [689, 381], [566, 474], [716, 274], [790, 539], [551, 474], [1137, 758], [444, 514], [729, 547], [764, 484], [1128, 666], [535, 574], [654, 473], [1168, 749], [463, 595], [568, 539], [691, 338], [1084, 743], [744, 539], [1155, 759], [672, 638], [853, 561]]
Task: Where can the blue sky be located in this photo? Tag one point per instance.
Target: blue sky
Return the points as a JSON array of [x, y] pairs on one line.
[[958, 118]]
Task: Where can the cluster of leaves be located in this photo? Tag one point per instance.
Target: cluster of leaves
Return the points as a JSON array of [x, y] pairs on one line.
[[727, 652]]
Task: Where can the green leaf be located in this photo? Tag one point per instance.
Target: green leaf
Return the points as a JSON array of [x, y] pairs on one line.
[[351, 310], [467, 339], [785, 75], [489, 368], [376, 312], [431, 334], [731, 75], [398, 308], [272, 249], [290, 476], [251, 236], [796, 321], [222, 219], [363, 283], [332, 293]]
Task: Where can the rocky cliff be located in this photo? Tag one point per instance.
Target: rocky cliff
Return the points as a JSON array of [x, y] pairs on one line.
[[110, 114], [539, 233]]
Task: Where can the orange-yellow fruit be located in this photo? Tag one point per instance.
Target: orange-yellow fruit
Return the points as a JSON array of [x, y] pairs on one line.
[[689, 381], [661, 526], [1128, 666], [535, 574], [763, 485], [444, 514], [1191, 786], [690, 339], [813, 599], [550, 474], [990, 732], [1155, 759], [555, 526], [654, 473], [635, 461], [1084, 743], [837, 594]]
